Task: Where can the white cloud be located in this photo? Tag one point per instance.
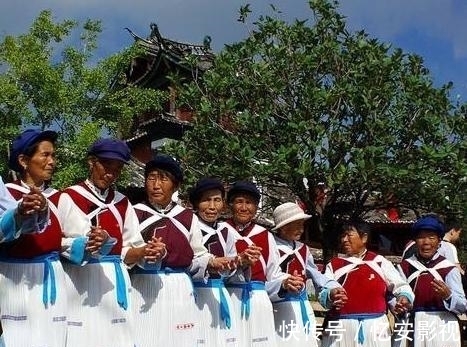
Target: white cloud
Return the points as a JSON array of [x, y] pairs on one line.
[[438, 19], [190, 20]]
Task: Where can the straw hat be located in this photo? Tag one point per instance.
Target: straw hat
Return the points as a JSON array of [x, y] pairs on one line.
[[287, 213]]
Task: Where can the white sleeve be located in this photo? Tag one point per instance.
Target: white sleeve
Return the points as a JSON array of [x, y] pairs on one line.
[[454, 253], [131, 237], [201, 256], [324, 294], [457, 303], [274, 274], [319, 280], [7, 202], [75, 226], [397, 285], [449, 251]]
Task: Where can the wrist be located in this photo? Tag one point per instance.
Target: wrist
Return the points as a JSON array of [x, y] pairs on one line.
[[20, 209], [211, 261], [45, 207]]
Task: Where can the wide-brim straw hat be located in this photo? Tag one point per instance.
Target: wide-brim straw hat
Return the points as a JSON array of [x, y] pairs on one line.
[[287, 213]]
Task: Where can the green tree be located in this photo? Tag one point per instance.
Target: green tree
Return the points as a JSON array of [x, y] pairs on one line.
[[50, 79], [311, 100]]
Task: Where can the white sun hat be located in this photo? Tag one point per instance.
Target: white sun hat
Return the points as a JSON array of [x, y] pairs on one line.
[[287, 213]]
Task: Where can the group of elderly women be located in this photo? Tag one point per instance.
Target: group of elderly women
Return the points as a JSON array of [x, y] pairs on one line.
[[101, 272]]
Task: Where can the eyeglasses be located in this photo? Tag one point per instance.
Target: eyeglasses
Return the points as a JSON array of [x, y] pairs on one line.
[[160, 178]]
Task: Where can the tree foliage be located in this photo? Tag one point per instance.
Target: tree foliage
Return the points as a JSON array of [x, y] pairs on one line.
[[50, 80], [311, 100]]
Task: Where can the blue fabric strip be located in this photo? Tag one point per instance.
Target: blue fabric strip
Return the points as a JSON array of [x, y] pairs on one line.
[[323, 298], [77, 251], [48, 276], [8, 226], [361, 317], [409, 296], [107, 246], [301, 297], [247, 288], [122, 299], [224, 307]]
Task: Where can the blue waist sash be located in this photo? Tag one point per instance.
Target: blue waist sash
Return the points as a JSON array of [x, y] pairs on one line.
[[361, 317], [224, 307], [302, 298], [122, 299], [247, 288], [48, 276]]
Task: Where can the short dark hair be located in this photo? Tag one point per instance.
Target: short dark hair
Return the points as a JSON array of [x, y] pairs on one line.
[[452, 223], [360, 225]]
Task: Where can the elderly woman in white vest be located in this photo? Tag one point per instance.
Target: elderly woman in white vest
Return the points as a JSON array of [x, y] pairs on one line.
[[294, 318], [32, 277], [218, 324], [437, 285], [163, 295], [101, 239], [262, 277], [28, 216]]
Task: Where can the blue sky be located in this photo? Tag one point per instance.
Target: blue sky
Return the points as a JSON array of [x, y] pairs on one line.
[[433, 29]]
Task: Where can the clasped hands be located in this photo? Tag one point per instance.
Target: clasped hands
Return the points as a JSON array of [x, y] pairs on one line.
[[32, 202], [244, 259], [338, 297], [155, 250], [96, 238], [293, 283], [249, 256]]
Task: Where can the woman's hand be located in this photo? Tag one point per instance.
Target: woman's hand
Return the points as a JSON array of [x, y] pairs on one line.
[[249, 256], [32, 202], [155, 250], [96, 238]]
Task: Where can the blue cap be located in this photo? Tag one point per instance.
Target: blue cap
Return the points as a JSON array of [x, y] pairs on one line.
[[244, 187], [24, 141], [113, 149], [167, 163], [428, 223], [203, 185]]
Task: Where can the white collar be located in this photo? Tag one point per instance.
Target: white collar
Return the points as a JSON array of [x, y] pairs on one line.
[[96, 191], [25, 185], [163, 210]]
